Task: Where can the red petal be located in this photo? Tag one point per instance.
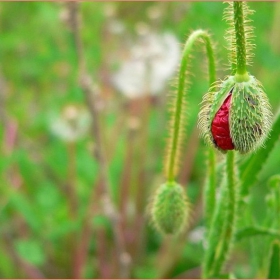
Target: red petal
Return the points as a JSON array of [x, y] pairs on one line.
[[220, 127]]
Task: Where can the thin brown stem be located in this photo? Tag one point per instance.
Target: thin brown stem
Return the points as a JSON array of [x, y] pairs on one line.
[[141, 179], [91, 98], [71, 181], [73, 204], [92, 210]]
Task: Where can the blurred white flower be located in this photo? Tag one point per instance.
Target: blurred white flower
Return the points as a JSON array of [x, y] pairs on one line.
[[116, 26], [72, 123], [148, 65], [154, 12], [196, 235], [142, 28], [110, 9]]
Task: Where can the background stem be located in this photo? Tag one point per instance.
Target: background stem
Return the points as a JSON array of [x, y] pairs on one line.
[[90, 93]]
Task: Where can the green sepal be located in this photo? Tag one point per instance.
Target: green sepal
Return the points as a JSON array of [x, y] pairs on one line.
[[250, 116]]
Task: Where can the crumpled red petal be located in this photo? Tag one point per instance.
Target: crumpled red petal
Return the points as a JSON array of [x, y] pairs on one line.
[[220, 127]]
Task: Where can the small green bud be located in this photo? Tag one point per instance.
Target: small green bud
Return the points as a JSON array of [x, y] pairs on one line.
[[170, 208], [238, 116]]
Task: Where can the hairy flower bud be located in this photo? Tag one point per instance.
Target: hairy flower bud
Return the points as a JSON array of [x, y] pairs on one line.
[[170, 208], [238, 116]]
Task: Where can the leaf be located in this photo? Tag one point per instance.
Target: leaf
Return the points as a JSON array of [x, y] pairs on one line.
[[255, 231], [274, 265], [28, 210], [63, 229], [7, 269], [31, 251], [251, 167]]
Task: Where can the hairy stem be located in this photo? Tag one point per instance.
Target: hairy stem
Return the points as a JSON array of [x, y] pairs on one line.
[[215, 231], [210, 188], [222, 229], [227, 239], [211, 183], [240, 40], [173, 152]]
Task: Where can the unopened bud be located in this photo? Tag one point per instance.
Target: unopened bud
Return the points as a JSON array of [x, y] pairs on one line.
[[238, 116], [170, 208]]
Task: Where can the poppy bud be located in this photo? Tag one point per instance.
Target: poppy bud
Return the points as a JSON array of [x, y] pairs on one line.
[[170, 208], [238, 116]]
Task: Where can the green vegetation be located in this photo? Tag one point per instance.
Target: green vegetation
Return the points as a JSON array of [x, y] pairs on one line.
[[84, 122]]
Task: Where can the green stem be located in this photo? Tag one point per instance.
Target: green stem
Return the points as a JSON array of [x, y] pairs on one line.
[[228, 232], [233, 59], [215, 231], [222, 227], [241, 71], [174, 144], [210, 188]]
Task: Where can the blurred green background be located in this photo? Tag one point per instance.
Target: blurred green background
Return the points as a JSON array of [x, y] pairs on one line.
[[52, 222]]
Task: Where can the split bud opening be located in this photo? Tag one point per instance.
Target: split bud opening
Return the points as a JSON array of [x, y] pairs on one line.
[[237, 116]]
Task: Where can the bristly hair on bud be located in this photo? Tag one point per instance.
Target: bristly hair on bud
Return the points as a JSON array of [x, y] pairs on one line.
[[250, 117], [231, 34], [170, 208], [237, 114]]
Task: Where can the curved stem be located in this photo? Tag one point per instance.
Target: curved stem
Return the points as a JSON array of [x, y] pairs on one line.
[[210, 187], [175, 140], [240, 40]]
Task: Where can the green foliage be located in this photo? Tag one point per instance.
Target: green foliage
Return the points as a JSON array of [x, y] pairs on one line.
[[251, 167], [31, 251], [53, 221], [274, 268]]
